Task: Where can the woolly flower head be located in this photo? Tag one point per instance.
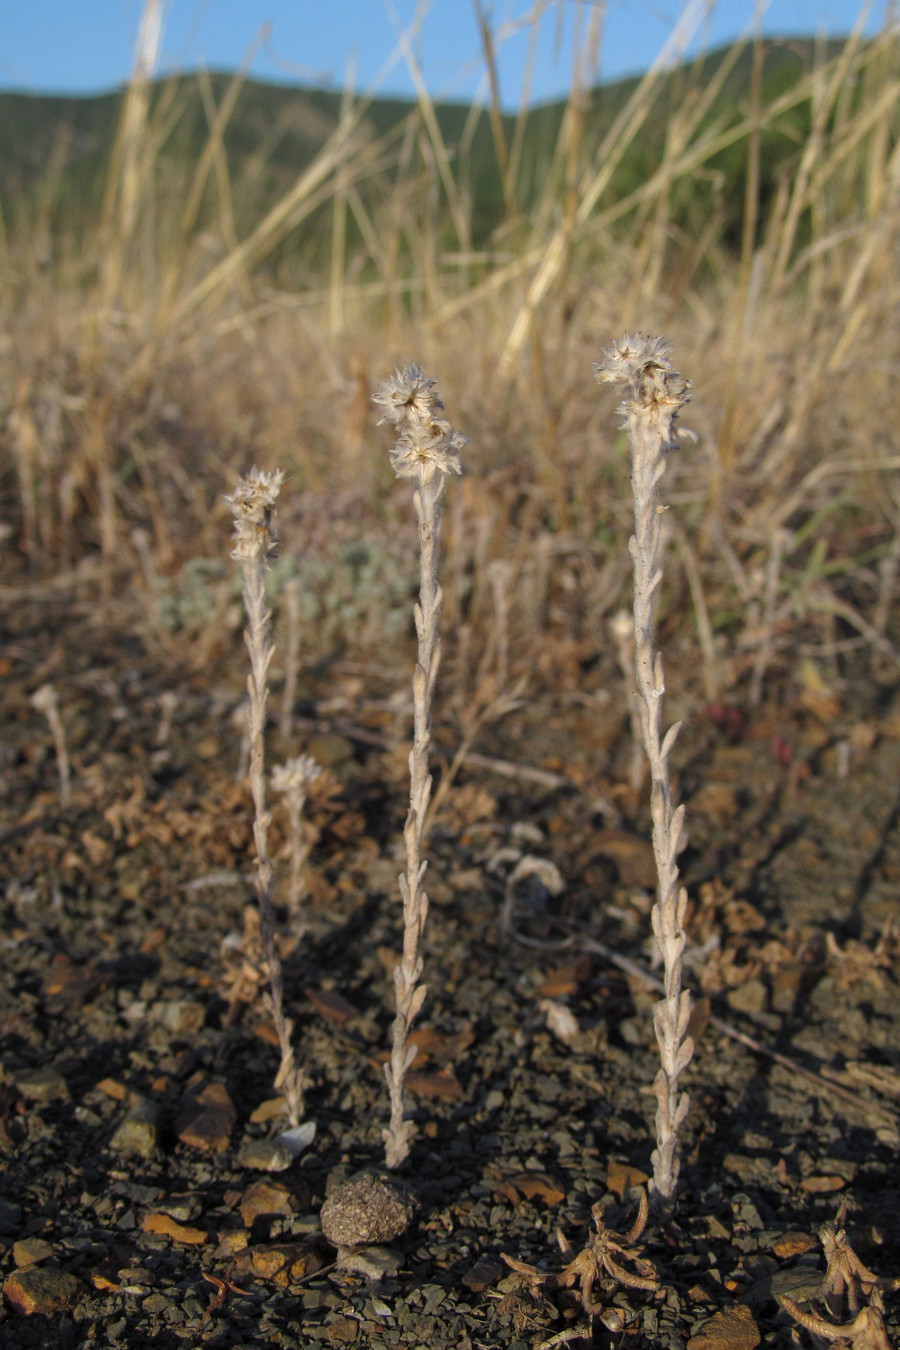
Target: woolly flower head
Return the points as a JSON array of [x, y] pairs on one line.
[[641, 364], [426, 444], [252, 505], [295, 775], [408, 394], [44, 699]]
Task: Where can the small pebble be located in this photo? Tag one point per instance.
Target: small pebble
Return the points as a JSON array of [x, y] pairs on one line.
[[372, 1263], [29, 1251], [139, 1131], [36, 1290], [42, 1085], [264, 1155]]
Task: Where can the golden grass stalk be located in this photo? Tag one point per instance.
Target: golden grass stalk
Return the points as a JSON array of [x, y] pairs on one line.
[[425, 453], [654, 393]]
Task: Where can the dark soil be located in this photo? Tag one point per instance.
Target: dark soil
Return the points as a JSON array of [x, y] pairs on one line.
[[115, 909]]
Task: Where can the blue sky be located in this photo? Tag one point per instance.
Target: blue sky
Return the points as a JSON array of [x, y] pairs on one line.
[[82, 46]]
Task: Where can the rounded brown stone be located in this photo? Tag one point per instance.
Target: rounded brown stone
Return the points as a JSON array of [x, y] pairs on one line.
[[367, 1208]]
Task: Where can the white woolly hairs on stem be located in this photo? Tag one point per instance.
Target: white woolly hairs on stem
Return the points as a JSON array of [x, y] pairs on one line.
[[654, 393], [425, 453], [253, 504]]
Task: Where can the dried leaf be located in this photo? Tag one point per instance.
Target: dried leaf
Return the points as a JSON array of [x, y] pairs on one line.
[[566, 979], [332, 1005], [168, 1227], [620, 1177], [561, 1021], [528, 1186], [441, 1084]]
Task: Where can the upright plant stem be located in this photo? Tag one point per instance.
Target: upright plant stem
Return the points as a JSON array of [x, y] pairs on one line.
[[655, 393], [293, 779], [253, 504], [46, 701], [425, 453]]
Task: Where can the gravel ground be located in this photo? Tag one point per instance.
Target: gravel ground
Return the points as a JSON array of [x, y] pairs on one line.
[[139, 1206]]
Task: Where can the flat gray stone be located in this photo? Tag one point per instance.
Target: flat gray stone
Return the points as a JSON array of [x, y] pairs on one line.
[[42, 1085], [265, 1155], [31, 1250], [372, 1263]]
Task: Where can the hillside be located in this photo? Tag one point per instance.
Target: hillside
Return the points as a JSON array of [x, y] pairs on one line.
[[55, 151]]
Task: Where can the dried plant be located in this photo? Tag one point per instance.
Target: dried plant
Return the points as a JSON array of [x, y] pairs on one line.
[[246, 970], [425, 453], [865, 1332], [604, 1258], [293, 779], [845, 1274], [547, 873], [168, 702], [654, 393], [46, 701], [485, 706], [854, 961], [253, 506], [844, 1270]]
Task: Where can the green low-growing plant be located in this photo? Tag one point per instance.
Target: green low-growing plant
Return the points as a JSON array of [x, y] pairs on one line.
[[361, 588]]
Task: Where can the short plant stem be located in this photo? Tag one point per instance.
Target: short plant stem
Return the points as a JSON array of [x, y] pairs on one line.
[[168, 702], [252, 505], [655, 392], [46, 701], [426, 451], [292, 779]]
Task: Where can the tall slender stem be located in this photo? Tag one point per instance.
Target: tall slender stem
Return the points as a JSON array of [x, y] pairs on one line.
[[253, 504], [426, 451], [655, 393]]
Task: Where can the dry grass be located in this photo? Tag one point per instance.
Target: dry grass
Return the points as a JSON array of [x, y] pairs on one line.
[[149, 360]]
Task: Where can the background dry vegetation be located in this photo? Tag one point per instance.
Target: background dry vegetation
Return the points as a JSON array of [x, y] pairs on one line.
[[204, 273]]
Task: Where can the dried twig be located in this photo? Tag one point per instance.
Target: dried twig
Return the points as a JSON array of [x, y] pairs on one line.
[[223, 1289]]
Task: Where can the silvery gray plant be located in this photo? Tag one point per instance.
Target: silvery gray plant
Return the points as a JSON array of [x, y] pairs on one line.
[[253, 507], [425, 453], [293, 780], [654, 393]]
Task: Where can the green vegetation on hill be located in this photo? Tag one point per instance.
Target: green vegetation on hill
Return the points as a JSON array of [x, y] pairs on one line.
[[55, 152]]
